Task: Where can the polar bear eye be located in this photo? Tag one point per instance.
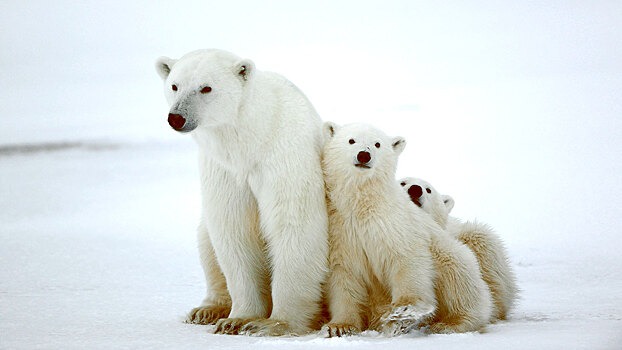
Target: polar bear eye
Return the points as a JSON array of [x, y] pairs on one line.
[[377, 145], [351, 141], [403, 184], [206, 89], [428, 190], [174, 87]]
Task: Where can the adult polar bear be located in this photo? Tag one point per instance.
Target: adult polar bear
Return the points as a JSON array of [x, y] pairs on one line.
[[263, 234]]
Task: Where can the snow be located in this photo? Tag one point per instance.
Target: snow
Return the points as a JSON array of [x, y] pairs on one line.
[[99, 198], [98, 251]]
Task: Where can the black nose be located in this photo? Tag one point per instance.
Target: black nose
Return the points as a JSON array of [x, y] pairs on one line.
[[415, 192], [176, 121], [363, 157]]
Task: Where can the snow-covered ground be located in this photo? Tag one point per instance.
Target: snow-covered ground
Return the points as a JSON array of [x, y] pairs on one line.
[[513, 109], [98, 251]]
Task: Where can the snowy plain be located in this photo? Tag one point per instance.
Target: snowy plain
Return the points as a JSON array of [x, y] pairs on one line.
[[98, 251], [516, 111]]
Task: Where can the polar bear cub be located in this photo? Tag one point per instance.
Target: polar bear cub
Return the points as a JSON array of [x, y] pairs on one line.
[[392, 268], [263, 237], [480, 238]]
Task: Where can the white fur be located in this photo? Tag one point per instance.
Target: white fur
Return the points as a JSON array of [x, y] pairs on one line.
[[480, 238], [264, 209], [393, 268], [431, 201], [461, 286], [379, 242]]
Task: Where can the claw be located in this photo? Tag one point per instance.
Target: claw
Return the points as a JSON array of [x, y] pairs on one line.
[[339, 330], [229, 325], [207, 314], [403, 319]]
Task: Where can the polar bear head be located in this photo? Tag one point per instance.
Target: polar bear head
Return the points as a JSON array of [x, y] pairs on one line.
[[204, 88], [359, 152], [428, 198]]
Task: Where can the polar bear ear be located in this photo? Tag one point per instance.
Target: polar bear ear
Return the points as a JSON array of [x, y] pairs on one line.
[[329, 129], [245, 69], [164, 65], [398, 143], [449, 202]]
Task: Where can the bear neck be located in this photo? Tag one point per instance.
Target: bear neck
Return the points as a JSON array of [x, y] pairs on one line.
[[439, 215], [354, 195]]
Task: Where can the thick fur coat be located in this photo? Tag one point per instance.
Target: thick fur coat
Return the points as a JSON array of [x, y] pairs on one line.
[[480, 238], [263, 234], [392, 268]]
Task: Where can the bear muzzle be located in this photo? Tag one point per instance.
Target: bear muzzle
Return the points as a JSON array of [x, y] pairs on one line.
[[180, 123], [363, 158], [176, 121], [415, 192]]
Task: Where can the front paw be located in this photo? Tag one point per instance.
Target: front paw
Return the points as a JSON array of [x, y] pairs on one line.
[[409, 312], [404, 318], [339, 330], [208, 314], [230, 326], [267, 327]]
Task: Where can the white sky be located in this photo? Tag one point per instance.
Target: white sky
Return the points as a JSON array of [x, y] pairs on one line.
[[514, 108]]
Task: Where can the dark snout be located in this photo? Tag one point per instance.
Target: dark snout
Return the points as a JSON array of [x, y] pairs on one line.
[[362, 160], [415, 192], [181, 123], [176, 121], [363, 157]]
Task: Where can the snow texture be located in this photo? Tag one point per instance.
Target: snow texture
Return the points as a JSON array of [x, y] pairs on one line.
[[98, 251], [99, 197]]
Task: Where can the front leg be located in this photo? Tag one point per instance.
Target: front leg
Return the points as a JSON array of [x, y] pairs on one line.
[[412, 291], [217, 302], [233, 225], [295, 230], [346, 288], [345, 297]]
